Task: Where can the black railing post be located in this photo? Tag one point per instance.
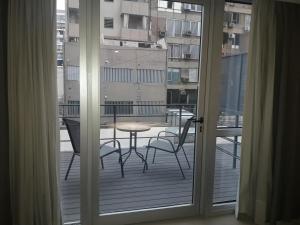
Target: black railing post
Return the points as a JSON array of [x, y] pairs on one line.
[[235, 143], [115, 121], [180, 115]]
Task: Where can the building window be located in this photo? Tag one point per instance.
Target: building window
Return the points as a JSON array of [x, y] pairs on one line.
[[173, 75], [190, 51], [247, 22], [189, 75], [73, 72], [178, 51], [174, 51], [150, 76], [118, 107], [169, 5], [118, 75], [183, 28], [73, 15], [177, 75], [135, 22], [234, 40], [231, 18], [108, 22]]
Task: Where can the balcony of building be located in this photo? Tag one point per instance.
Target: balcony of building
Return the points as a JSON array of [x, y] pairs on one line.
[[162, 184], [134, 27], [135, 7], [73, 4]]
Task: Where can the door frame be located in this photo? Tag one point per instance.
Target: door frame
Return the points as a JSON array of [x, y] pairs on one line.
[[212, 28]]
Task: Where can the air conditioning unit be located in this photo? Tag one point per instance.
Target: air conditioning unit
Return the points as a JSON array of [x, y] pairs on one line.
[[187, 56], [231, 25], [232, 36], [187, 33], [162, 34], [186, 7]]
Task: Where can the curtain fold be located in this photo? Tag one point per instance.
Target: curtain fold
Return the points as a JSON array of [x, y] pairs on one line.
[[256, 166], [32, 112], [269, 180], [4, 151], [285, 202]]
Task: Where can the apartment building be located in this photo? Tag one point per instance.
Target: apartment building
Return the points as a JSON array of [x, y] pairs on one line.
[[152, 29], [237, 19], [60, 34], [132, 67], [180, 25]]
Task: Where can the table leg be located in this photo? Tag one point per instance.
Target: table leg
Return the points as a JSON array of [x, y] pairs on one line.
[[140, 155], [130, 149]]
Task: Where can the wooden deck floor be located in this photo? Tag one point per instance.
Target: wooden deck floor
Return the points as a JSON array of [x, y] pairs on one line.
[[162, 185]]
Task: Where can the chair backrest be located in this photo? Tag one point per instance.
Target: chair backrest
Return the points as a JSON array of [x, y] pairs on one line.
[[73, 128], [185, 131]]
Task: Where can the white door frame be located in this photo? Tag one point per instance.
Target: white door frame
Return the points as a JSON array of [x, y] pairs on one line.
[[90, 114]]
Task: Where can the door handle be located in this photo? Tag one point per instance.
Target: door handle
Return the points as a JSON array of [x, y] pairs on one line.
[[200, 120]]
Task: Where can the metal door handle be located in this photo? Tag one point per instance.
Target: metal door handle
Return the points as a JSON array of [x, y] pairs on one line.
[[200, 120]]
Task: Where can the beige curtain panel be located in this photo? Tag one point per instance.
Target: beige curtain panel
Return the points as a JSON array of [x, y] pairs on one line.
[[256, 149], [32, 112]]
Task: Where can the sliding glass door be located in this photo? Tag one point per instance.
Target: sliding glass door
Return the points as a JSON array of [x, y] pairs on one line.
[[149, 80], [152, 82]]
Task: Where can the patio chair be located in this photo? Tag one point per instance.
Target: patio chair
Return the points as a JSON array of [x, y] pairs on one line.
[[166, 145], [73, 128]]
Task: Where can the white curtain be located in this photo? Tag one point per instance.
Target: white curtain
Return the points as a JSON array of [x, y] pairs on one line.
[[32, 112], [256, 157]]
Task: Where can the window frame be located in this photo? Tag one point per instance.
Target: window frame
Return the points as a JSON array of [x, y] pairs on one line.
[[106, 19]]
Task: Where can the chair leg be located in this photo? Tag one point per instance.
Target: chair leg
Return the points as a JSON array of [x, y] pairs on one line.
[[154, 156], [121, 163], [70, 165], [186, 157], [102, 162], [145, 163], [179, 165]]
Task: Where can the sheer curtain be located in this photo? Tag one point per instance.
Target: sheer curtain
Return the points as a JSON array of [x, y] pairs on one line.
[[256, 153], [32, 112]]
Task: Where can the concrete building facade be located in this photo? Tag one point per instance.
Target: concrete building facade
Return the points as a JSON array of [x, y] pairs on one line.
[[150, 51]]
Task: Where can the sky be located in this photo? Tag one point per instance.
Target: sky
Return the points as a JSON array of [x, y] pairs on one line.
[[60, 4]]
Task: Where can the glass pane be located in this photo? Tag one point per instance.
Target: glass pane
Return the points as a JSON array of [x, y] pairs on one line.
[[157, 92], [234, 71], [68, 89]]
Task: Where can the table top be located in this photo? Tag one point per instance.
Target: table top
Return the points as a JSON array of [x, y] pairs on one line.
[[133, 127]]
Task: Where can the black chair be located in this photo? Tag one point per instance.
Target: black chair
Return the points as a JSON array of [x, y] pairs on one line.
[[73, 128], [164, 144]]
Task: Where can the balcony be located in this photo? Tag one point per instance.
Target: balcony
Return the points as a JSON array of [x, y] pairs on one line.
[[73, 4], [134, 34], [162, 185], [73, 29], [135, 7]]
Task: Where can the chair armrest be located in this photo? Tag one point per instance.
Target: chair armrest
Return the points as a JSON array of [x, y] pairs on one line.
[[168, 132], [165, 139], [150, 140], [111, 141]]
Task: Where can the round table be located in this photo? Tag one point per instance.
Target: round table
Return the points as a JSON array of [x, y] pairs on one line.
[[133, 128]]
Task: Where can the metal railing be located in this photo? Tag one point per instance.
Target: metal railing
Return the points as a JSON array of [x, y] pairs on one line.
[[164, 115]]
